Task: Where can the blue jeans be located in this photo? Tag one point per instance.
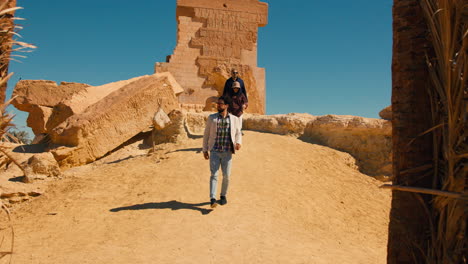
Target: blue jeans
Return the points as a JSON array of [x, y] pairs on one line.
[[223, 159]]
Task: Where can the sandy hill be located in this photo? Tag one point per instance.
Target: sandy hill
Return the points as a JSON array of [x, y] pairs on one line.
[[289, 202]]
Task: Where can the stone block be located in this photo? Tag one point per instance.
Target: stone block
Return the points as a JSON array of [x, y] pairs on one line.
[[80, 101], [44, 164], [289, 124], [173, 132], [114, 119], [38, 117], [43, 93]]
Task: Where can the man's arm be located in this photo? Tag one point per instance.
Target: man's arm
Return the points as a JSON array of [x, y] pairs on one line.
[[206, 136], [238, 135], [244, 91]]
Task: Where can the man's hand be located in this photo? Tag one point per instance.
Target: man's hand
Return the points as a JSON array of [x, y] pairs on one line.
[[238, 146], [206, 155]]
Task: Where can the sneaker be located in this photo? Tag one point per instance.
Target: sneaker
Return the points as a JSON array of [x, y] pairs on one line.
[[213, 203], [223, 200]]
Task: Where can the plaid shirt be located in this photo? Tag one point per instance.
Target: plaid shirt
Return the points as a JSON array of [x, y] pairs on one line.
[[223, 134]]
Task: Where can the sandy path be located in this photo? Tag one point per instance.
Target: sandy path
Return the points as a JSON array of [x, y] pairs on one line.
[[289, 202]]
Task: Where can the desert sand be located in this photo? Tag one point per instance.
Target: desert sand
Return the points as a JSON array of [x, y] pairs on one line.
[[289, 202]]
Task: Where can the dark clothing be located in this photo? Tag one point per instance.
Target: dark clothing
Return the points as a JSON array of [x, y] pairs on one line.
[[228, 87], [223, 140], [238, 100]]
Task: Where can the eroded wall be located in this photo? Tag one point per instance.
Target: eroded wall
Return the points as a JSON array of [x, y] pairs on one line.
[[212, 38]]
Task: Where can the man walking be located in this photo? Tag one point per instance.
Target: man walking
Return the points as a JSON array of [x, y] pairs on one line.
[[229, 82], [222, 138]]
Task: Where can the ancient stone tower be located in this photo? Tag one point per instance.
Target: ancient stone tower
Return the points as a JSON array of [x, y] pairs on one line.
[[214, 36]]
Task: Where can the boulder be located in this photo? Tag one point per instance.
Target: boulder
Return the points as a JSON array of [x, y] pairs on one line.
[[14, 194], [31, 93], [38, 97], [93, 94], [369, 140], [386, 113], [289, 124], [38, 117], [78, 102], [195, 123], [174, 131], [184, 124], [113, 120], [44, 164]]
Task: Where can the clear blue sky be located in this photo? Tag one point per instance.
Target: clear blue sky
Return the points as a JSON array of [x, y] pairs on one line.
[[321, 57]]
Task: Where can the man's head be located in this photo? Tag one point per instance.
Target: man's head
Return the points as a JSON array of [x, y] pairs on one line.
[[234, 74], [223, 103], [236, 86]]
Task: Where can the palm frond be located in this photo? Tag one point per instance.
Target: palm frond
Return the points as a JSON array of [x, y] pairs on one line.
[[448, 70]]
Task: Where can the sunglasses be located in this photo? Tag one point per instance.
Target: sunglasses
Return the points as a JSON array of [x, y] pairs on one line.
[[235, 72]]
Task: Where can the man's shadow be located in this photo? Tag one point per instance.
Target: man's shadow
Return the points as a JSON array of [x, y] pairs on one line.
[[173, 205]]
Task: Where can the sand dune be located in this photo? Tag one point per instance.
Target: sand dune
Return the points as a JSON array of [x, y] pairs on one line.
[[289, 202]]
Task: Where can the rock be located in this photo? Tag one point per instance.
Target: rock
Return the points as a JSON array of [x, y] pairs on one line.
[[369, 140], [45, 164], [50, 104], [195, 123], [113, 120], [38, 97], [175, 131], [213, 38], [31, 93], [183, 125], [18, 199], [386, 113], [289, 124], [38, 117], [78, 102], [9, 193], [29, 175], [93, 94]]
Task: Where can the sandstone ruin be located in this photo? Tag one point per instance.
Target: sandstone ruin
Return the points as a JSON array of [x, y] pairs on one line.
[[212, 38], [113, 120], [85, 122], [368, 140], [81, 123], [38, 97]]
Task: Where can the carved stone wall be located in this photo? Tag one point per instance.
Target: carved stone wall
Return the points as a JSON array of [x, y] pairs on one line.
[[213, 37]]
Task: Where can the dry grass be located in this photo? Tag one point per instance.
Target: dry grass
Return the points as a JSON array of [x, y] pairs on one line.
[[448, 68]]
